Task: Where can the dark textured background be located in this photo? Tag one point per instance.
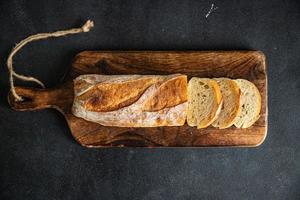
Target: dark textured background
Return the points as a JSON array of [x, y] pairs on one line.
[[40, 160]]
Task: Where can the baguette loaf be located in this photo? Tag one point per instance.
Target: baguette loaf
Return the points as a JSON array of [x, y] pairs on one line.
[[131, 100]]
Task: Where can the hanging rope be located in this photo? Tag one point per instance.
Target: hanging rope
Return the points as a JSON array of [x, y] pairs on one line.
[[85, 28]]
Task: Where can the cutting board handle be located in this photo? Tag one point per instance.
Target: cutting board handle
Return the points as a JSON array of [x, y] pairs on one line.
[[34, 98]]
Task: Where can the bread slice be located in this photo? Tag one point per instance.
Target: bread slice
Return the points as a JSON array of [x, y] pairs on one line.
[[231, 95], [250, 104], [204, 102]]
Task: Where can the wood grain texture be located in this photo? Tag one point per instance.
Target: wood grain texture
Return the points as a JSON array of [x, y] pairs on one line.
[[249, 65]]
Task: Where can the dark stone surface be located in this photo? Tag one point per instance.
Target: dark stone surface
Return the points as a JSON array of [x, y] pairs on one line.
[[40, 160]]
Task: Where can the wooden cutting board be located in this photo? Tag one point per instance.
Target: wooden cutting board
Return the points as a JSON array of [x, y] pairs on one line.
[[233, 64]]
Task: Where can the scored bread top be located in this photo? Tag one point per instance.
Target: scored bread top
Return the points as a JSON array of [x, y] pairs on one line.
[[104, 97], [231, 103], [250, 104], [115, 93], [205, 101], [170, 93]]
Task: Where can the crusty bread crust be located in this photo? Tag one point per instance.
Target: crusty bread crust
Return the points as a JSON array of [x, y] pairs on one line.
[[170, 93], [104, 97], [131, 100]]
